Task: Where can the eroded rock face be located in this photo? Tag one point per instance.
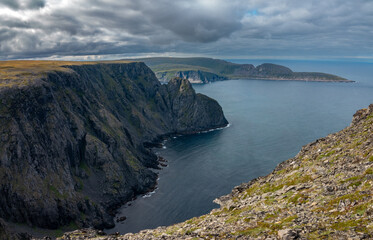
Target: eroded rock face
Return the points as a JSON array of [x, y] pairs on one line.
[[192, 111], [71, 143], [193, 76], [325, 191]]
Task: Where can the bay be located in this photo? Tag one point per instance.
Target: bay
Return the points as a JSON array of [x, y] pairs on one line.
[[269, 122]]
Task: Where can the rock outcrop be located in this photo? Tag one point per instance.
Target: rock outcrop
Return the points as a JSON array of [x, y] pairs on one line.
[[193, 76], [72, 139], [324, 192]]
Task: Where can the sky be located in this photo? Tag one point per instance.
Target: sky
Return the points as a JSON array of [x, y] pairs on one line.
[[113, 29]]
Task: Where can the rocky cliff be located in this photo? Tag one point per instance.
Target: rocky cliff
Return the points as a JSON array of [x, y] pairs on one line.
[[324, 192], [72, 137], [193, 76]]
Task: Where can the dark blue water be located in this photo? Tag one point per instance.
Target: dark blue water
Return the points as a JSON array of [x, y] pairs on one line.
[[270, 121]]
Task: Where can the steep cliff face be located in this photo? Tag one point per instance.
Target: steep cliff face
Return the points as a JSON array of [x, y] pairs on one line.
[[72, 141], [193, 76], [324, 192]]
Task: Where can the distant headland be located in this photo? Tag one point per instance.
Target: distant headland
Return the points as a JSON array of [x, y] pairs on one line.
[[205, 70]]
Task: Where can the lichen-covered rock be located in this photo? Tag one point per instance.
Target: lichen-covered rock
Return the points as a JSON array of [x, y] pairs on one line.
[[72, 142], [325, 192]]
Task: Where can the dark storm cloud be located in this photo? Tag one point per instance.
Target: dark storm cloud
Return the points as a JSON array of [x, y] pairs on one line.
[[10, 3], [43, 28], [36, 4], [193, 22], [23, 4], [5, 35]]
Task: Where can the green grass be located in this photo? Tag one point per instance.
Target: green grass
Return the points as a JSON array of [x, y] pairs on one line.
[[84, 166], [54, 190], [23, 72], [260, 228], [269, 187], [362, 208], [271, 216], [369, 171], [133, 162], [289, 219], [298, 178], [352, 197], [359, 225], [298, 198]]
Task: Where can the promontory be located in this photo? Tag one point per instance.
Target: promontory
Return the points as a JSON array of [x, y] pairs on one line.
[[206, 70], [74, 138]]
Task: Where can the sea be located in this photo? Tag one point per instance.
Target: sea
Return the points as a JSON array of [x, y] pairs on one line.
[[269, 122]]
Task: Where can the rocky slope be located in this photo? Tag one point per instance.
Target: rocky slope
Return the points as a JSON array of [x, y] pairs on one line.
[[324, 192], [73, 137], [205, 70]]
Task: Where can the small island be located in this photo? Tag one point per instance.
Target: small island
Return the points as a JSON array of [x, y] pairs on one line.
[[206, 70]]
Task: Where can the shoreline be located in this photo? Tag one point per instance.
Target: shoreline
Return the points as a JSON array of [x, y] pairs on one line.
[[274, 79], [303, 207], [294, 80], [159, 143]]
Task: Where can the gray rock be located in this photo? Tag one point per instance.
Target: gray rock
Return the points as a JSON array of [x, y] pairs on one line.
[[288, 234]]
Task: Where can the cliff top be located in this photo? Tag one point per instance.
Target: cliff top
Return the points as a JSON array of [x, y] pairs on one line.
[[22, 72]]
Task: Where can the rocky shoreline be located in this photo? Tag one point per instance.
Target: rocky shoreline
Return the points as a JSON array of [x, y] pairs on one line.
[[162, 162], [324, 192]]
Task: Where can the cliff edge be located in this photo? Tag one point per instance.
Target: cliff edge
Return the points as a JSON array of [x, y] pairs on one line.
[[324, 192], [72, 137]]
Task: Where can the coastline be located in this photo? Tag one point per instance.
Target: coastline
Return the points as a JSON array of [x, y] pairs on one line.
[[276, 79], [158, 143], [273, 79], [296, 80], [297, 199]]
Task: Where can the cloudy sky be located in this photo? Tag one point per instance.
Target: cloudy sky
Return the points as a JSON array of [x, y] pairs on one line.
[[109, 29]]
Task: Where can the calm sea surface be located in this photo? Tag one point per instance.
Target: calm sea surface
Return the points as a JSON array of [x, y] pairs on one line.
[[269, 122]]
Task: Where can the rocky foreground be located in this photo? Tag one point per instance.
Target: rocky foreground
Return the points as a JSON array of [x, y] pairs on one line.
[[325, 192]]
